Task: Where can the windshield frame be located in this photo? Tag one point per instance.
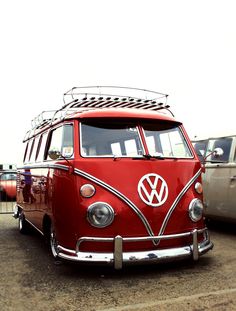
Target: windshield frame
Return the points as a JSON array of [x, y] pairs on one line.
[[138, 124]]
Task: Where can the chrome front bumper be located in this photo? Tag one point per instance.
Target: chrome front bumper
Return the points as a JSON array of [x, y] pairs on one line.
[[118, 257]]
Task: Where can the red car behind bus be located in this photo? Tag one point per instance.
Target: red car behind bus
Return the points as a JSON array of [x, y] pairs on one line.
[[7, 185]]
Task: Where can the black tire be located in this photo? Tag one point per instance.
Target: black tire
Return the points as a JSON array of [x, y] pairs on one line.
[[23, 224], [53, 243]]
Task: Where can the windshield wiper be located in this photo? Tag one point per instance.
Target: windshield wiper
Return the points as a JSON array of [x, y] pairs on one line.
[[148, 157]]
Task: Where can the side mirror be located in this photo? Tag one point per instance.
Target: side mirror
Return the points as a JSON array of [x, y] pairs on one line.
[[54, 154], [218, 152]]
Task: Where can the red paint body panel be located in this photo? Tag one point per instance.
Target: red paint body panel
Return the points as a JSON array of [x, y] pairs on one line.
[[177, 174], [9, 187]]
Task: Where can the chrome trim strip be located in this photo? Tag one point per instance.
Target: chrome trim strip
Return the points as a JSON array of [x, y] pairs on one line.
[[55, 166], [179, 197], [119, 195], [61, 248], [138, 239], [34, 226], [186, 142], [91, 239], [59, 166]]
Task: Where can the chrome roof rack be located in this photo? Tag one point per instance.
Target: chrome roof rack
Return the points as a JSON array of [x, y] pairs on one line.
[[128, 93], [114, 97], [97, 97]]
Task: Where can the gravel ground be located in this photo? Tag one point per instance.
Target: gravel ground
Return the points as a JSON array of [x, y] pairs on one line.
[[32, 280]]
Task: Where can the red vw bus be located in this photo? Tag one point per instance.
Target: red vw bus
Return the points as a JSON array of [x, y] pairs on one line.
[[112, 178]]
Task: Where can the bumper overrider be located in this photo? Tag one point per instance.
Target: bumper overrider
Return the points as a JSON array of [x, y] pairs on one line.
[[118, 258]]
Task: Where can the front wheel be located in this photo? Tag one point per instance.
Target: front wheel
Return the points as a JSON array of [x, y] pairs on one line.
[[53, 243], [23, 224]]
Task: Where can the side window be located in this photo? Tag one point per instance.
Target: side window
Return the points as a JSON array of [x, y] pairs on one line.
[[224, 144], [67, 141], [42, 144], [29, 150], [35, 148], [62, 140], [200, 148], [55, 140], [26, 150]]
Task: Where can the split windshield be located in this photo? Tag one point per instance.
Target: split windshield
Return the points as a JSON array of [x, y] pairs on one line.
[[112, 139]]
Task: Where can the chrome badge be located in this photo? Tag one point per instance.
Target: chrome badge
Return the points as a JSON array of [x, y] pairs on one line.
[[153, 189]]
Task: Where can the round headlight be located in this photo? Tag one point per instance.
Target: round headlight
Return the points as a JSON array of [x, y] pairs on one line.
[[87, 190], [100, 214], [195, 210]]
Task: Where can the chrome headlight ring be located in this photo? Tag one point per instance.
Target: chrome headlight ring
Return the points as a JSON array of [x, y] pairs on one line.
[[196, 210], [100, 214]]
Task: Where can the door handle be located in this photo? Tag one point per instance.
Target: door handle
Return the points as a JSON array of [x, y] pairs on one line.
[[232, 178]]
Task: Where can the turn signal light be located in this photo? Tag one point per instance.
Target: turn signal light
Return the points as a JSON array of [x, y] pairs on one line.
[[87, 190]]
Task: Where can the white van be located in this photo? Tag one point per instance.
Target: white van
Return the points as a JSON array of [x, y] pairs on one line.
[[219, 179]]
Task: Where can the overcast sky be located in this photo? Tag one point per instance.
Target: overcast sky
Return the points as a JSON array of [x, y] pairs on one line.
[[184, 48]]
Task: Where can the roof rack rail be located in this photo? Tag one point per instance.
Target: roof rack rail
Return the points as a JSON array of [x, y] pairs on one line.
[[113, 91], [97, 97]]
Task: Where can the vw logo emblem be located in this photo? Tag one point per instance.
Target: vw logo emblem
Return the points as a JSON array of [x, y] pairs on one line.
[[153, 189]]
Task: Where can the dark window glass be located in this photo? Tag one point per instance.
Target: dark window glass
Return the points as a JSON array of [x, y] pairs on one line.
[[26, 149], [34, 149], [110, 139], [166, 140], [200, 148], [42, 144], [29, 150]]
